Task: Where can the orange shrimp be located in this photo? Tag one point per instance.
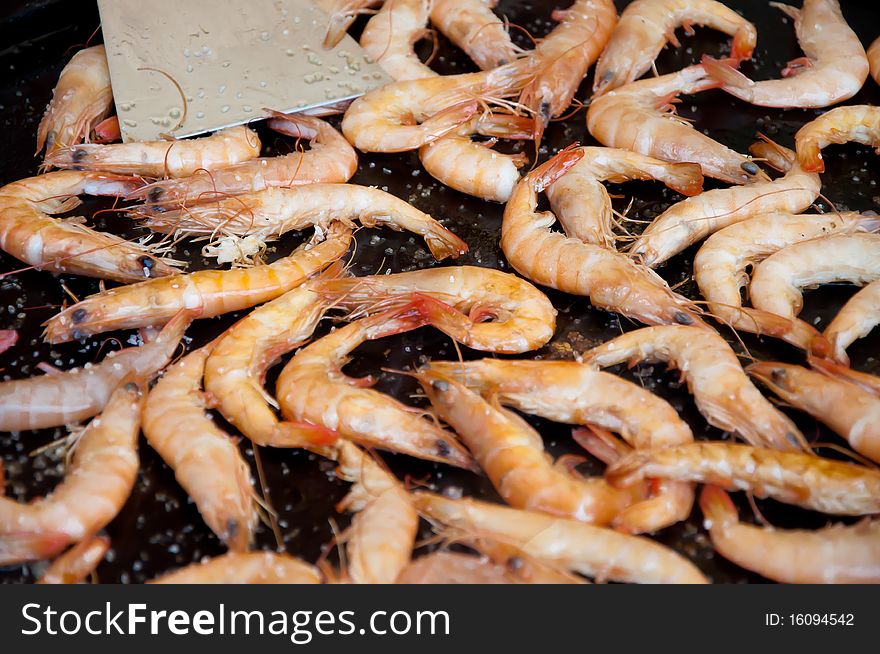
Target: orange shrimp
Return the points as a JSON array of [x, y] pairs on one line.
[[77, 563], [858, 123], [389, 36], [472, 26]]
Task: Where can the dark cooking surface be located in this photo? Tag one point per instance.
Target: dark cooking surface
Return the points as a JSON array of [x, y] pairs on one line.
[[159, 528]]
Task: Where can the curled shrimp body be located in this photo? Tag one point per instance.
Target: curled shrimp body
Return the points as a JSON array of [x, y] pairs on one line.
[[330, 159], [211, 292], [162, 158], [513, 457], [205, 460], [236, 367], [834, 68], [68, 397], [313, 388], [715, 378], [858, 123], [777, 282], [645, 26], [99, 480], [832, 555], [383, 531], [582, 204], [721, 263], [850, 411], [30, 234], [472, 26], [569, 392], [245, 568], [638, 117], [695, 218], [797, 478], [275, 211], [407, 115], [564, 57], [611, 280], [586, 549], [389, 36], [77, 563], [856, 319], [521, 317], [81, 98]]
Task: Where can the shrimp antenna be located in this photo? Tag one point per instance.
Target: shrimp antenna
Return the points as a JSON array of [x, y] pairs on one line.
[[182, 118], [266, 498], [868, 463]]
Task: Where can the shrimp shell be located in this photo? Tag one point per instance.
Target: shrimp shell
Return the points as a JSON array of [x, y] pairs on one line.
[[205, 460], [715, 378], [472, 26], [522, 317], [832, 555], [855, 320], [389, 36], [100, 478], [850, 411], [797, 478], [81, 98], [68, 397], [66, 246], [834, 69], [211, 292], [637, 117], [857, 123], [569, 544], [611, 280], [245, 568], [874, 59], [162, 158], [646, 26], [77, 563]]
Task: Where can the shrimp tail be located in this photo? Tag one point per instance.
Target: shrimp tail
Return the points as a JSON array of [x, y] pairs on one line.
[[506, 126], [443, 244], [629, 471], [718, 508], [743, 45], [777, 157], [685, 178], [302, 434], [18, 547], [448, 119], [107, 131], [724, 72], [544, 175], [601, 444]]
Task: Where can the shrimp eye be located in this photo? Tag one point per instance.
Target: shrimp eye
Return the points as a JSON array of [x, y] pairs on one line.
[[79, 315], [514, 563], [607, 76], [443, 448], [154, 195], [231, 528], [683, 319], [77, 335], [440, 385], [778, 376], [791, 438], [78, 155], [131, 387], [545, 110], [750, 167]]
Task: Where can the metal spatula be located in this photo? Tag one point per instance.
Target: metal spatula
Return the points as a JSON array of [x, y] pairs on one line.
[[183, 67]]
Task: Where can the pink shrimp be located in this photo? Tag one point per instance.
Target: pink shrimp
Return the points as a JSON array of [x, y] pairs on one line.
[[472, 26]]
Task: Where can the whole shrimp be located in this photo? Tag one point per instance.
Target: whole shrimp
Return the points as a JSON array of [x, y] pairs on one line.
[[481, 308], [81, 98], [409, 114], [342, 14], [205, 460], [586, 549], [382, 534], [99, 480], [389, 36], [472, 26], [874, 59], [722, 391], [850, 411], [330, 159], [693, 219], [797, 478], [640, 117], [244, 568], [77, 563], [777, 282], [720, 268], [570, 392], [564, 56], [582, 204], [513, 457], [611, 280], [30, 234], [858, 123], [275, 211], [833, 70], [63, 398], [211, 292], [832, 555], [856, 319], [313, 388], [236, 367], [162, 158], [645, 27]]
